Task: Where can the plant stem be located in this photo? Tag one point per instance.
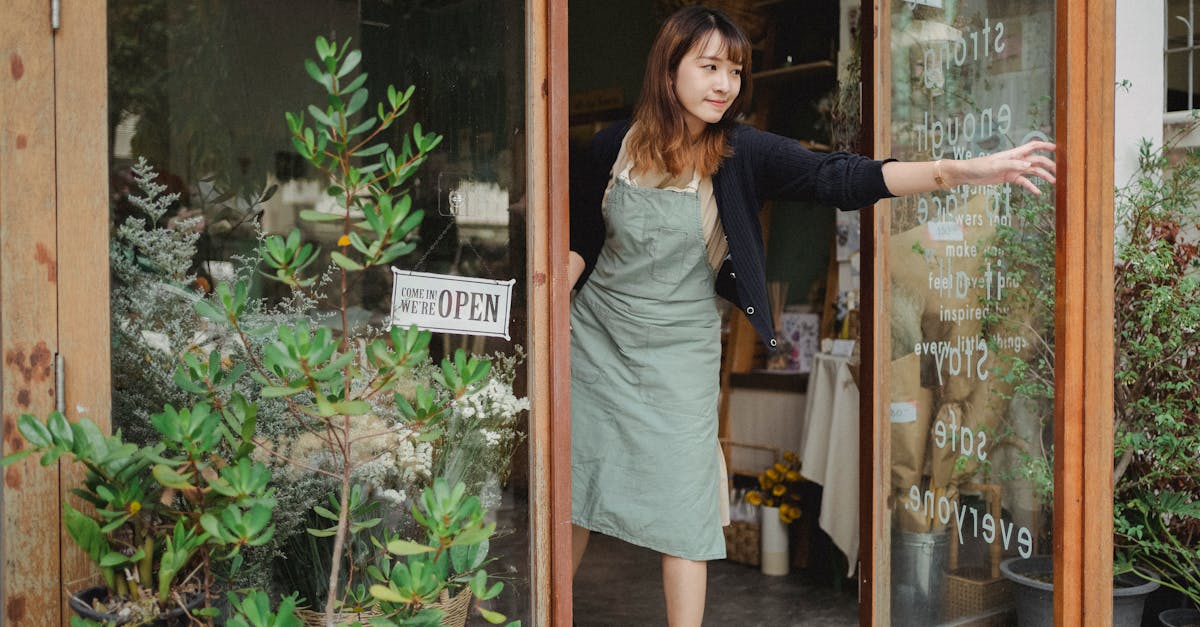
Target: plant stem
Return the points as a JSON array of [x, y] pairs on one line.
[[339, 539]]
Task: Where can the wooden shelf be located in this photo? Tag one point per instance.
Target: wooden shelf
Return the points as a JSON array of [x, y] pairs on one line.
[[769, 380], [798, 70]]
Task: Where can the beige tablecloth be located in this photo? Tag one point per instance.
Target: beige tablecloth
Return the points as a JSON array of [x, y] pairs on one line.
[[829, 450]]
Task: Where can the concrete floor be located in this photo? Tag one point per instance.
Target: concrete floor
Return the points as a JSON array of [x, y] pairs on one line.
[[620, 585]]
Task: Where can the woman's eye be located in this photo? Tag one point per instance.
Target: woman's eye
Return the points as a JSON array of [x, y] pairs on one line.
[[737, 72], [711, 66]]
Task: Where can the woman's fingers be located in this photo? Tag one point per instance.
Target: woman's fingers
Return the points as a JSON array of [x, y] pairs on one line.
[[1045, 163], [1043, 174], [1027, 184]]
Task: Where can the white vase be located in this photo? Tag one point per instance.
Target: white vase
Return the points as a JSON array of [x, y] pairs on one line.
[[774, 536]]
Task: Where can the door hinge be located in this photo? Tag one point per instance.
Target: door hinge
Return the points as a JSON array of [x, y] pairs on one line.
[[55, 14], [60, 392]]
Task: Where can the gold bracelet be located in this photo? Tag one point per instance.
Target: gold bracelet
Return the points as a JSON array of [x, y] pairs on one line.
[[937, 175]]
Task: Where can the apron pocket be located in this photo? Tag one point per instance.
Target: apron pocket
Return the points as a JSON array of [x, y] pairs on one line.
[[667, 252], [681, 371]]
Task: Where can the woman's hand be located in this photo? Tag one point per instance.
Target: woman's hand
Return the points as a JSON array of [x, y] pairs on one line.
[[1015, 165]]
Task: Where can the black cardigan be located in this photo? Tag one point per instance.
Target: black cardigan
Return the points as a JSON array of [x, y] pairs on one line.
[[763, 166]]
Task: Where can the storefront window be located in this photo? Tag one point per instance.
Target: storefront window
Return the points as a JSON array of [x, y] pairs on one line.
[[200, 91], [971, 313]]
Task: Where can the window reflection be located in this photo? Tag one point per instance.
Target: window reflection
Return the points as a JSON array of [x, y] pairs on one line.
[[971, 312]]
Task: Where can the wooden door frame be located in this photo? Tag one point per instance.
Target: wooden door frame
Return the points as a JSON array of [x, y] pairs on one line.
[[53, 201], [1084, 309], [550, 443], [54, 209]]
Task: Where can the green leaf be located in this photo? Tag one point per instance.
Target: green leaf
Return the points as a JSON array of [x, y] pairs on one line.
[[357, 100], [353, 85], [112, 559], [362, 127], [371, 151], [474, 536], [8, 460], [321, 116], [384, 593], [322, 533], [408, 547], [344, 261], [325, 513], [206, 310], [34, 431], [349, 63], [169, 478], [210, 524], [314, 71], [320, 216], [85, 531], [492, 617]]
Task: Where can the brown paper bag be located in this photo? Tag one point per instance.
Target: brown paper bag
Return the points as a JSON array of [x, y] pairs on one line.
[[910, 408]]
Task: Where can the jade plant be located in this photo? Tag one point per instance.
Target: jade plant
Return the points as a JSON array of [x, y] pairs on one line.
[[162, 522], [345, 386]]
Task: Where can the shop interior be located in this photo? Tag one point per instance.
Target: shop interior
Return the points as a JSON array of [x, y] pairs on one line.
[[212, 125], [798, 406]]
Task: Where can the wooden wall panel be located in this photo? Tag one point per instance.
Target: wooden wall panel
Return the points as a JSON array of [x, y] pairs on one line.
[[29, 271], [80, 60]]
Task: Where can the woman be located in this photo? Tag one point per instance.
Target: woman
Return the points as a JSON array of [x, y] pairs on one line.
[[665, 217]]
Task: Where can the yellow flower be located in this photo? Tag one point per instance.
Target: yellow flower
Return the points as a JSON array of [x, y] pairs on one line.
[[135, 507], [753, 497], [780, 468], [790, 457], [778, 490], [792, 475], [772, 474], [344, 240]]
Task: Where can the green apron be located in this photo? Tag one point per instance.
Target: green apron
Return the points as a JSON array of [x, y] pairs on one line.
[[645, 360]]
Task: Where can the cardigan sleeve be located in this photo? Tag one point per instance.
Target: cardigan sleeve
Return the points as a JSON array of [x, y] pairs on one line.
[[590, 171], [788, 171]]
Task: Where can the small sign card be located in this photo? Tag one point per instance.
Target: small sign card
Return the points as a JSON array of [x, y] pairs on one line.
[[451, 304]]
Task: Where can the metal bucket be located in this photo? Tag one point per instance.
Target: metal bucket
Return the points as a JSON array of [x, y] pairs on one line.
[[918, 577]]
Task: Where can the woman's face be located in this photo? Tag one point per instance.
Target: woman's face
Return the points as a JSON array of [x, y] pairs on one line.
[[707, 83]]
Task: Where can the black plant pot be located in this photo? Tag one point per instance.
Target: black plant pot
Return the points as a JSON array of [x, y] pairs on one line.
[[1182, 617], [1035, 598], [81, 603]]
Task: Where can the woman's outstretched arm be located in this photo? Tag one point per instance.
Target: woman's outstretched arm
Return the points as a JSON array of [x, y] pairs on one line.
[[1016, 165]]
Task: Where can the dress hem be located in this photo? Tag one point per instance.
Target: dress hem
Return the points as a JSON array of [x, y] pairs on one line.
[[620, 535]]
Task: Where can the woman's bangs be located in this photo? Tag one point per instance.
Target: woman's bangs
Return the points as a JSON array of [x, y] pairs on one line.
[[734, 45]]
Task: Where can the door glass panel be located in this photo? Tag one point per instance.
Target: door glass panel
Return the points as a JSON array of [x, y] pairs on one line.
[[200, 90], [971, 314]]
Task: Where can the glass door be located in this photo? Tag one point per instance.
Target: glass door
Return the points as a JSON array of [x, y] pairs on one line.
[[204, 167], [966, 337]]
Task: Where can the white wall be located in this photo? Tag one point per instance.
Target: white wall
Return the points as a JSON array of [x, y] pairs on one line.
[[1138, 107]]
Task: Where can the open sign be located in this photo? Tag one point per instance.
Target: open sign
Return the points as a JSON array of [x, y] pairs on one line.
[[451, 304]]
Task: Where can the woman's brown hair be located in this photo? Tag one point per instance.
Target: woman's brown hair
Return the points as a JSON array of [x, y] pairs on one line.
[[660, 140]]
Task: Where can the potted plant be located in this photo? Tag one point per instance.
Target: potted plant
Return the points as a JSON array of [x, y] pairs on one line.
[[164, 523], [1157, 372], [361, 403], [1157, 396], [178, 499]]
